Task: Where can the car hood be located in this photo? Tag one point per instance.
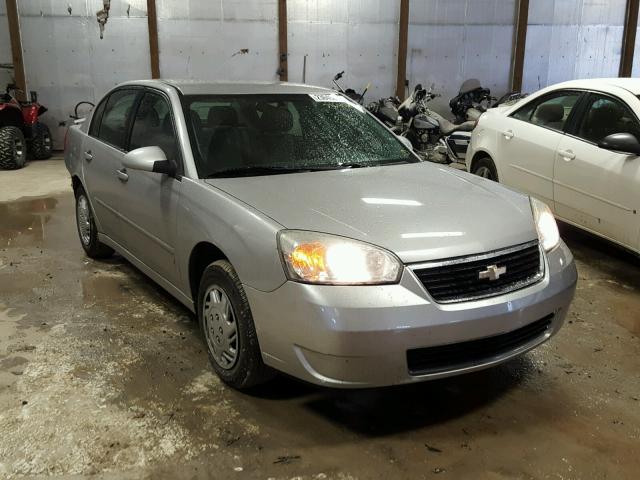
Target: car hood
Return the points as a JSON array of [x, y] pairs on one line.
[[419, 211]]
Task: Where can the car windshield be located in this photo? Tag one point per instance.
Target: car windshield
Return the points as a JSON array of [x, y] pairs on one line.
[[241, 135]]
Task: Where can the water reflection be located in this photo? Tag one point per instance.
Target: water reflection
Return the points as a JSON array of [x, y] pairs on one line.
[[24, 221]]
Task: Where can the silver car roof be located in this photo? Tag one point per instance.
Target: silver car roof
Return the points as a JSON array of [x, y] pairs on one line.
[[197, 87]]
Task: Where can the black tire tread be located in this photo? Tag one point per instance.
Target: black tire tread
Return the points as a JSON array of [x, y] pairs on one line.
[[39, 149], [8, 160], [486, 161], [249, 370], [96, 249]]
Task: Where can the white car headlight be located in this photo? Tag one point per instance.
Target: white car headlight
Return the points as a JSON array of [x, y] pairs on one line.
[[312, 257], [545, 224]]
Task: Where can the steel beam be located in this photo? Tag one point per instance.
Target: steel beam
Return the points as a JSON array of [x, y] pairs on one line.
[[403, 37], [154, 51], [282, 41], [16, 49], [520, 42], [629, 38]]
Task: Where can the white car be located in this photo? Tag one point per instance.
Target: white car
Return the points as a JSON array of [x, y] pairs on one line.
[[575, 146]]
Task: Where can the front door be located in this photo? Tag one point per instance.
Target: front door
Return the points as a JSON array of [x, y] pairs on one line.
[[528, 141], [149, 200], [103, 150], [596, 188]]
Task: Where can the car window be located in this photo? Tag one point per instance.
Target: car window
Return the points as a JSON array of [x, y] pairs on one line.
[[549, 112], [605, 116], [96, 118], [294, 131], [153, 126], [113, 127]]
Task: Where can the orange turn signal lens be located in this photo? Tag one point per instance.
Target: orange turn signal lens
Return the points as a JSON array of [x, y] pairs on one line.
[[308, 260]]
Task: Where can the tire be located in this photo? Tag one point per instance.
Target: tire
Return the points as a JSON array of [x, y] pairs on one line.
[[41, 143], [484, 167], [87, 231], [227, 326], [13, 149]]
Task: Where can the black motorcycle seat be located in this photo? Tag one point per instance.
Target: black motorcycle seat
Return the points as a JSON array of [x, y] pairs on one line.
[[447, 127]]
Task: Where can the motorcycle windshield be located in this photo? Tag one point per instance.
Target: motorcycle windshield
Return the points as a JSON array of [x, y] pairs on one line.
[[469, 85]]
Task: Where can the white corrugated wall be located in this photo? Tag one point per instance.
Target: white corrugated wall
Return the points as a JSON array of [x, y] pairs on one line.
[[449, 41]]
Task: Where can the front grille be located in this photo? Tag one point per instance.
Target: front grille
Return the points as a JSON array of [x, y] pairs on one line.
[[422, 361], [459, 279]]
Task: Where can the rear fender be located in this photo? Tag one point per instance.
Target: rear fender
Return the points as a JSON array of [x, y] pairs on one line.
[[10, 115]]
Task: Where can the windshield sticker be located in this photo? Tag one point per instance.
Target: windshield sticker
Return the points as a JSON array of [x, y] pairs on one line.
[[329, 97]]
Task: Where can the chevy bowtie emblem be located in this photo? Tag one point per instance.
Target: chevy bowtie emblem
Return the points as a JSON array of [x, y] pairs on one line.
[[492, 272]]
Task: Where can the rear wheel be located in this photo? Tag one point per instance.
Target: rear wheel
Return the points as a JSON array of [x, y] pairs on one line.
[[13, 152], [41, 143], [485, 168], [87, 230]]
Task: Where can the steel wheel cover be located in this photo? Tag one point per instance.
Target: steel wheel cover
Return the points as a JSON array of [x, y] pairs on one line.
[[220, 327], [83, 217]]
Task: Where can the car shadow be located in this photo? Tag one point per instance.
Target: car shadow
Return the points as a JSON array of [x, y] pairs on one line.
[[379, 412], [602, 255]]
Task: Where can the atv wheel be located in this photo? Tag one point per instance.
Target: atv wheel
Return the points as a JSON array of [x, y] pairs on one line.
[[13, 152], [41, 143]]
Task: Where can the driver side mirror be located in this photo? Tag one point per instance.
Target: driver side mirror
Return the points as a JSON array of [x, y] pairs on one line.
[[621, 142], [149, 159]]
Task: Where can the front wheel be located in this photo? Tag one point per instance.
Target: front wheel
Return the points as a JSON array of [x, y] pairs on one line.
[[41, 144], [13, 152], [227, 326], [485, 168], [87, 230]]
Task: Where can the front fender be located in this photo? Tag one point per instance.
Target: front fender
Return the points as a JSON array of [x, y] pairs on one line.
[[245, 236]]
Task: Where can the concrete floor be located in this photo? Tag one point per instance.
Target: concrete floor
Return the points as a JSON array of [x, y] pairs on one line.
[[101, 372]]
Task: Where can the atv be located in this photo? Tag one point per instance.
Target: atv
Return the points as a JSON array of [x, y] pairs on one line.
[[20, 127]]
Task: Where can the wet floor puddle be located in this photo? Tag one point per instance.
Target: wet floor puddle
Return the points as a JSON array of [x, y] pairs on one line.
[[23, 222]]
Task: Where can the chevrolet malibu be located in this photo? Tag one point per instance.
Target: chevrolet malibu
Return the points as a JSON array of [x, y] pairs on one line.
[[308, 239]]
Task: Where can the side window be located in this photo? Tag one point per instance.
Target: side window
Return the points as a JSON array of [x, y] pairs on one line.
[[113, 128], [550, 112], [96, 118], [605, 116], [153, 126]]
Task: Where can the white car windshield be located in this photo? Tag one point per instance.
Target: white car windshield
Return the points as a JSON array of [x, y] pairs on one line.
[[241, 135]]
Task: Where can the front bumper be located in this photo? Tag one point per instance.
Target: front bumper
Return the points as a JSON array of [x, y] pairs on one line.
[[354, 337]]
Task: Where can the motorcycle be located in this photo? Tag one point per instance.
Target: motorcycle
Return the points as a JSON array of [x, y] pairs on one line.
[[386, 110], [350, 92], [433, 137]]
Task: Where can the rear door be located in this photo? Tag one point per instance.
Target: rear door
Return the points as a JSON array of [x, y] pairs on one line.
[[528, 140], [148, 201], [103, 150], [595, 188]]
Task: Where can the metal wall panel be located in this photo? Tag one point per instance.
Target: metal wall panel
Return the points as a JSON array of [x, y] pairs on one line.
[[357, 36], [224, 40], [65, 59], [453, 40], [570, 39]]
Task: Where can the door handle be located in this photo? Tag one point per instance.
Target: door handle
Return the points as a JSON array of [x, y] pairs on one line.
[[508, 135], [88, 156], [123, 176], [567, 155]]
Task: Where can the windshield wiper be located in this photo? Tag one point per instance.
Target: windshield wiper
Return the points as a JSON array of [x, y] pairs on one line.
[[256, 170]]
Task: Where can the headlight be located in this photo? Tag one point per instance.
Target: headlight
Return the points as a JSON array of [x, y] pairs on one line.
[[545, 224], [312, 257]]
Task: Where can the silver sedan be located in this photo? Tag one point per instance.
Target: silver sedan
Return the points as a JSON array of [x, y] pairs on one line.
[[309, 239]]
